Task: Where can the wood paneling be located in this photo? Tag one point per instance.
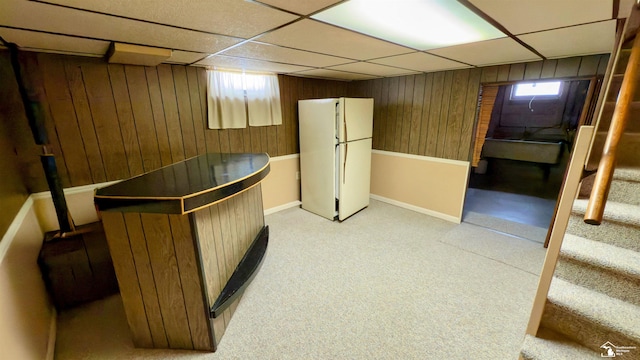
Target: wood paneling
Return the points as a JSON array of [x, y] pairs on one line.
[[124, 264], [13, 130], [226, 231], [170, 276], [489, 94], [110, 121], [437, 111]]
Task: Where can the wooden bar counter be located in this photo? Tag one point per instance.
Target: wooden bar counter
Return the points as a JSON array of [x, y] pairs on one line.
[[186, 240]]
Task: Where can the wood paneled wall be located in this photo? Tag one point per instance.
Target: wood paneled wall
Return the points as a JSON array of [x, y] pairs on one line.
[[434, 114], [13, 192], [111, 121]]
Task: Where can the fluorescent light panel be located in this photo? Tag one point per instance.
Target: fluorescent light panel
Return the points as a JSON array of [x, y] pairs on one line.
[[419, 24]]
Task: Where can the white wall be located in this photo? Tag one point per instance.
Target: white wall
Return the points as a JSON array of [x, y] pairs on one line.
[[432, 186], [281, 188], [27, 317]]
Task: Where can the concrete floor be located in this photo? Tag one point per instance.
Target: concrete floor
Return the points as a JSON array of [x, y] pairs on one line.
[[515, 191], [519, 208]]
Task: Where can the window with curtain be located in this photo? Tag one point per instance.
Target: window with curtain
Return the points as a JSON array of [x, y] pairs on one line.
[[235, 96]]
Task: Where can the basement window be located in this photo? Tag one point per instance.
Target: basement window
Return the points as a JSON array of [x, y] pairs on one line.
[[235, 96], [538, 90]]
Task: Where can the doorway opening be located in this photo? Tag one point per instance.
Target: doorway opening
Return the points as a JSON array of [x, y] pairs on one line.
[[524, 137]]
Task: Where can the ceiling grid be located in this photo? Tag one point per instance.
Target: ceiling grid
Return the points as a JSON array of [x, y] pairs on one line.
[[286, 36]]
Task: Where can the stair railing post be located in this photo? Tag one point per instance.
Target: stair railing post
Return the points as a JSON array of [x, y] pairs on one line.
[[602, 182]]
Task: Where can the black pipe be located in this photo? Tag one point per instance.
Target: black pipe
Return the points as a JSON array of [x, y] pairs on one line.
[[57, 194], [30, 98], [35, 113]]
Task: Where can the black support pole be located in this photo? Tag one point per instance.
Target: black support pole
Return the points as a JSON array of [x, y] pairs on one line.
[[57, 194], [24, 66]]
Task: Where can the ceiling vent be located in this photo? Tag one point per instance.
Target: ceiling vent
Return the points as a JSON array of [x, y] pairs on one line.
[[137, 55]]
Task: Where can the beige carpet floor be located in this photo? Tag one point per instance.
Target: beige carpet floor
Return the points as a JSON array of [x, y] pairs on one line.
[[387, 283]]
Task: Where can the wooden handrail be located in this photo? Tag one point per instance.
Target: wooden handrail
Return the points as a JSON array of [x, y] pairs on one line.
[[600, 191]]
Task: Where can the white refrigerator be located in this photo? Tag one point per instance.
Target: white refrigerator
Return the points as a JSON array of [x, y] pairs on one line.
[[335, 155]]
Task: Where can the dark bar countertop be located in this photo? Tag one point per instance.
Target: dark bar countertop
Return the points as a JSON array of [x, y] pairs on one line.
[[185, 186]]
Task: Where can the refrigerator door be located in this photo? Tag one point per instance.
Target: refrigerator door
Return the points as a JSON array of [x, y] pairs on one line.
[[317, 156], [354, 175], [355, 119]]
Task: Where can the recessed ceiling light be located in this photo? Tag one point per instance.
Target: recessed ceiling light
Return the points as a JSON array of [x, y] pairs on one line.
[[419, 24]]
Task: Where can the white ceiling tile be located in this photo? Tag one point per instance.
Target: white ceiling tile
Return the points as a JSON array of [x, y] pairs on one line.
[[333, 74], [319, 37], [228, 62], [372, 69], [184, 57], [303, 7], [281, 54], [420, 61], [490, 52], [36, 41], [521, 17], [596, 38], [228, 17], [56, 19]]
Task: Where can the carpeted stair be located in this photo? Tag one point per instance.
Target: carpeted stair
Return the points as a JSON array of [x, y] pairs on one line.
[[595, 292]]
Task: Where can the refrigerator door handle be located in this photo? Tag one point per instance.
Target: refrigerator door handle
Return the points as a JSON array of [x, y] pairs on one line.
[[344, 124], [344, 164]]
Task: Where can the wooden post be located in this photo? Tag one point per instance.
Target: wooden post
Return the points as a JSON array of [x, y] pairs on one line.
[[602, 183]]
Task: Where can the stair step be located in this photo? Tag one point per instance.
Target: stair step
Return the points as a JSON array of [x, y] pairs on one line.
[[628, 149], [535, 348], [591, 318], [625, 187], [634, 113], [601, 267], [620, 226], [616, 85], [627, 174]]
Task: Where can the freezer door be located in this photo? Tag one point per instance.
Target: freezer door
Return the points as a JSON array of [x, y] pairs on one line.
[[354, 177], [317, 156], [355, 119]]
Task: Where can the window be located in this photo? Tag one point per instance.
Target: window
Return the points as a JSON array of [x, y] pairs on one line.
[[235, 96], [538, 90]]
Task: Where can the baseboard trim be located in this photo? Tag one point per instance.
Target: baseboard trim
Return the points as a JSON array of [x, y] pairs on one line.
[[275, 209], [74, 190], [51, 344], [12, 231], [401, 204]]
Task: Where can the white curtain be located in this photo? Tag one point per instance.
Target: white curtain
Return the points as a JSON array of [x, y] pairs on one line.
[[263, 98], [226, 100]]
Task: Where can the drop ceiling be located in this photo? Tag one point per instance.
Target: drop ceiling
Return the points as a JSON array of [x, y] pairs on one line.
[[280, 35]]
